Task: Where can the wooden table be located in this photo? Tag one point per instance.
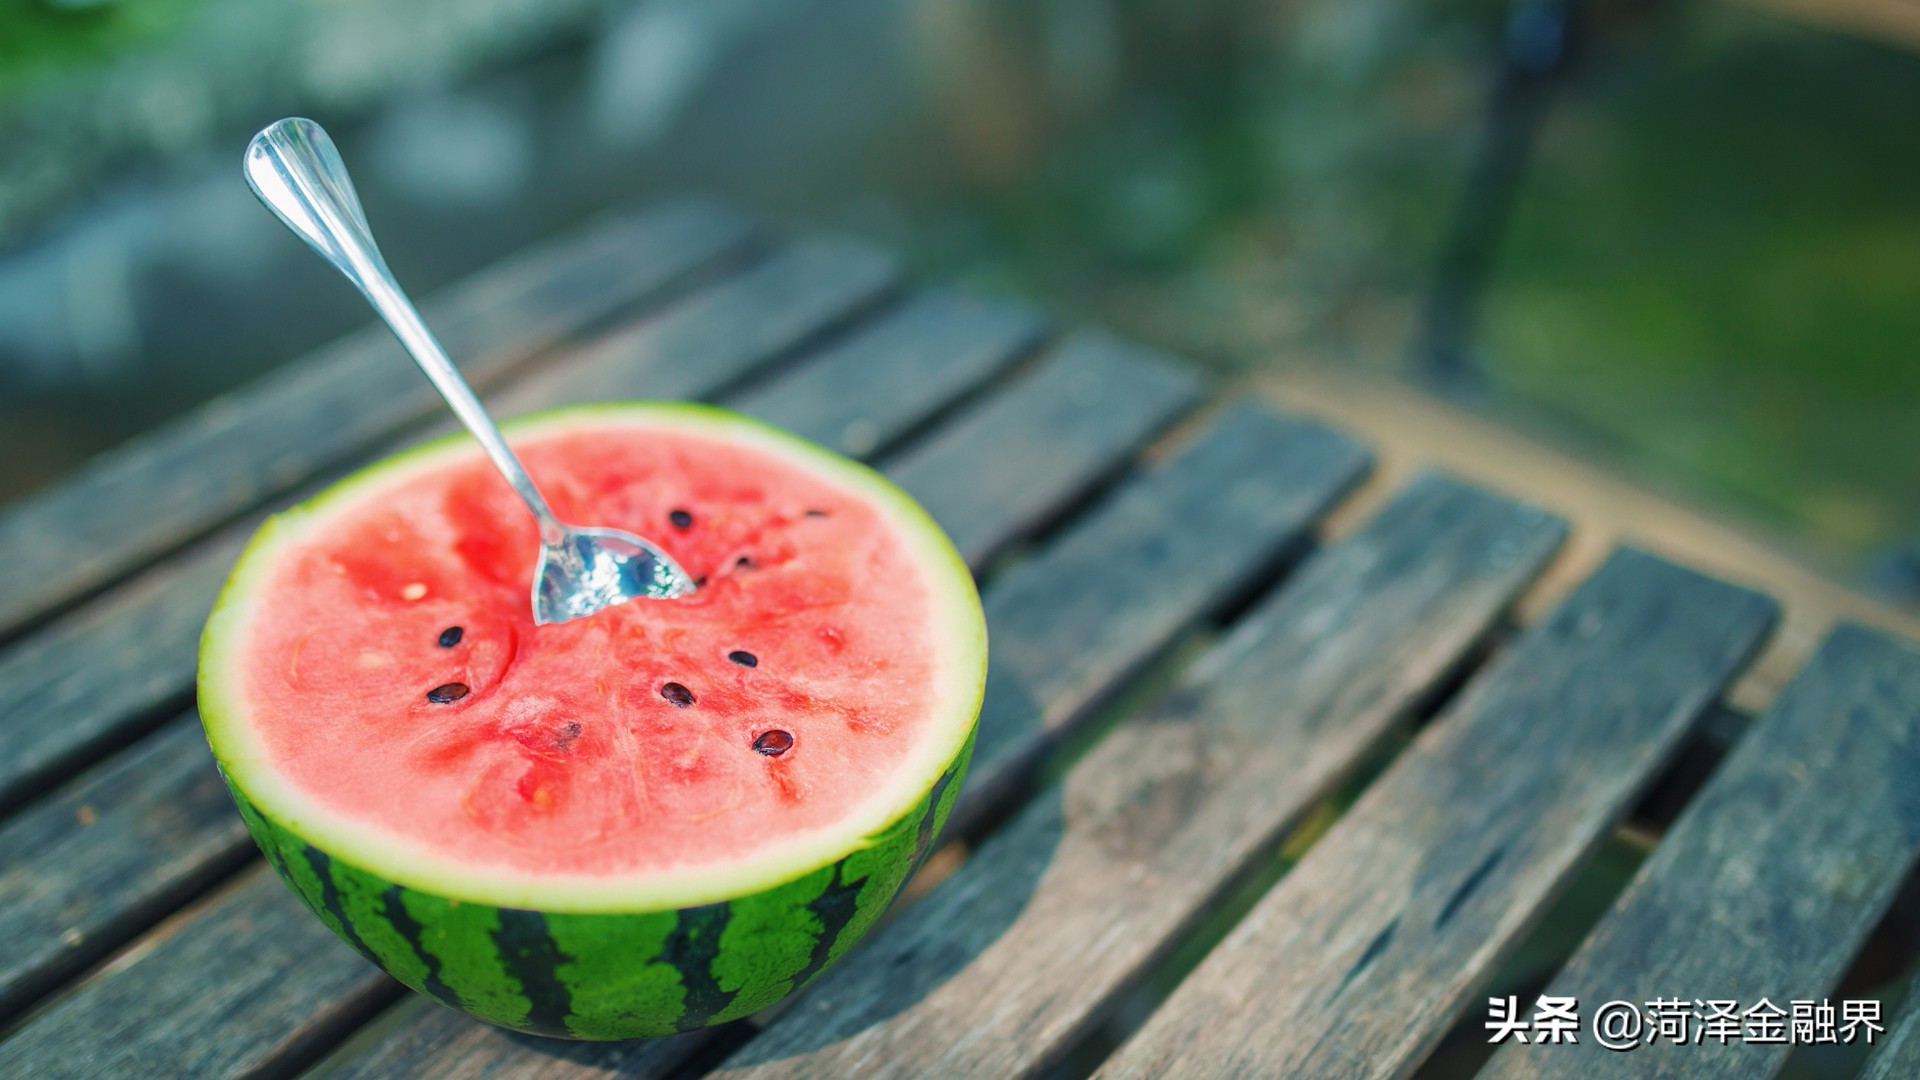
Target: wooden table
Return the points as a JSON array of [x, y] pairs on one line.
[[1184, 672]]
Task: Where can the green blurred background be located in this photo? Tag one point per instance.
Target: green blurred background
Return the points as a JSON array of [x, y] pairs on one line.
[[1680, 239]]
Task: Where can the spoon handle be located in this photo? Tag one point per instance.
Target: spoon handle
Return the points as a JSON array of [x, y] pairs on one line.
[[294, 168]]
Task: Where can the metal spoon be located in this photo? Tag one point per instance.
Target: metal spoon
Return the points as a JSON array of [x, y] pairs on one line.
[[294, 168]]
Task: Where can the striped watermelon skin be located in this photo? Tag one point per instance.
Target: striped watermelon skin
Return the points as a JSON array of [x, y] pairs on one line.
[[611, 976]]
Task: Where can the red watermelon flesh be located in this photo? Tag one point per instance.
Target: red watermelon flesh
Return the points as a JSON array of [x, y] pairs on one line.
[[386, 686]]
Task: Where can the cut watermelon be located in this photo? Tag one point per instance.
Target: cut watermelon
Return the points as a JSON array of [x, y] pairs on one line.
[[667, 815]]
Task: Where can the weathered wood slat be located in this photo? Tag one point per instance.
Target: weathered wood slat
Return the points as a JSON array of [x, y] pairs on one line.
[[1771, 879], [57, 712], [1358, 960], [1898, 1057], [110, 856], [97, 677], [1007, 963], [1269, 477], [1093, 398], [159, 491], [717, 338], [918, 360], [69, 1019]]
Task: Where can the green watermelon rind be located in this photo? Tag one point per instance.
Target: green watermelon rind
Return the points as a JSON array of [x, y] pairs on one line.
[[641, 958], [604, 975]]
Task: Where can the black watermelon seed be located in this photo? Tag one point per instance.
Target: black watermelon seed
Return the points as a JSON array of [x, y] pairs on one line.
[[700, 581], [744, 658], [452, 691], [450, 637], [816, 513], [743, 560], [680, 518], [773, 743], [676, 694]]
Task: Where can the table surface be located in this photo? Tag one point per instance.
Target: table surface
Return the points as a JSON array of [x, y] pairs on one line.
[[1266, 802]]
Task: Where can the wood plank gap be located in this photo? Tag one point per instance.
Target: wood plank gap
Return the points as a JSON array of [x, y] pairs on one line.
[[342, 1017], [136, 728], [1690, 770], [1532, 963], [1146, 992]]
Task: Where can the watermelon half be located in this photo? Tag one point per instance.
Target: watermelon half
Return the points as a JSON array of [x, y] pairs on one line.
[[667, 815]]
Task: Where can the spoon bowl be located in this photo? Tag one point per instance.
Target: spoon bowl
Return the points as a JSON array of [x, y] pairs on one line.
[[590, 570]]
